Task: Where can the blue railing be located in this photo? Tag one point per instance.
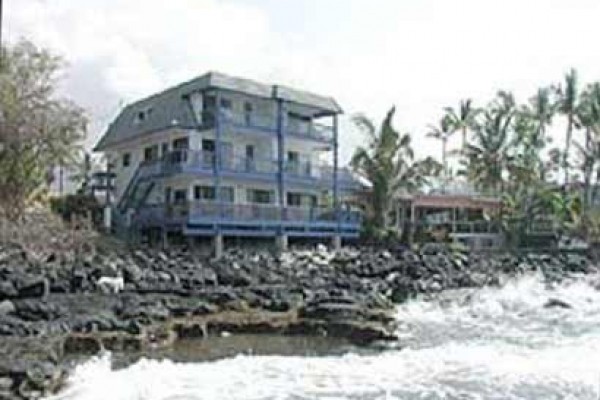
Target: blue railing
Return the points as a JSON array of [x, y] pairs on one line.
[[219, 212], [267, 122], [191, 161]]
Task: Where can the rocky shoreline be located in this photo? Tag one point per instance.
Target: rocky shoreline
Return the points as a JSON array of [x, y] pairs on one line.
[[137, 299]]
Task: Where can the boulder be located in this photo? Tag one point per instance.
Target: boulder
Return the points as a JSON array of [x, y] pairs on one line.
[[7, 290], [38, 310], [36, 287]]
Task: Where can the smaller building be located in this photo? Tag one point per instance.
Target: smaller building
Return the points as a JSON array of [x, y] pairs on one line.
[[457, 213]]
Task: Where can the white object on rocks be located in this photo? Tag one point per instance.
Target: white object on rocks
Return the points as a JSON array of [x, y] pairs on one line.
[[110, 284]]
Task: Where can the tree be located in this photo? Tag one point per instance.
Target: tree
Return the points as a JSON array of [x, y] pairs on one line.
[[567, 105], [37, 129], [463, 120], [442, 132], [588, 118], [387, 162], [487, 156], [542, 111]]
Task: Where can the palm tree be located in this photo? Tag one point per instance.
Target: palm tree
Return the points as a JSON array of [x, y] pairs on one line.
[[387, 162], [588, 118], [442, 132], [526, 166], [487, 157], [464, 119], [541, 111], [568, 102]]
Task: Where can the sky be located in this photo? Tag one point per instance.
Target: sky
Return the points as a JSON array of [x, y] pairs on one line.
[[419, 55]]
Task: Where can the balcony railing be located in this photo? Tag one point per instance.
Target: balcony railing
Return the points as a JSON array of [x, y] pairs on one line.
[[268, 122], [220, 212], [205, 161]]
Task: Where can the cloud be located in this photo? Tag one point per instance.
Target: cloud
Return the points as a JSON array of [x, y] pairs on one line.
[[419, 55], [118, 51]]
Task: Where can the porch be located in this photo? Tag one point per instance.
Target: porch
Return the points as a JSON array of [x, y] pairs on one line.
[[207, 218]]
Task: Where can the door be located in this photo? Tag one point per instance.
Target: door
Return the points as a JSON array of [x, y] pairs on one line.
[[248, 113], [250, 165], [208, 153], [209, 105], [180, 148], [293, 162]]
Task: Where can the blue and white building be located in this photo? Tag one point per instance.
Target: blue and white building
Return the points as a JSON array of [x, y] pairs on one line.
[[221, 156]]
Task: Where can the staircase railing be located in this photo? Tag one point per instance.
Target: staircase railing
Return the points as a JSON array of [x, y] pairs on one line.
[[127, 192]]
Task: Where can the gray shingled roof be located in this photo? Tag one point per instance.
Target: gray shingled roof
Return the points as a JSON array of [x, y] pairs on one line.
[[170, 108]]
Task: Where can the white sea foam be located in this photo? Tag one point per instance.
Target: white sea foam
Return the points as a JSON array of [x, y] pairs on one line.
[[487, 344]]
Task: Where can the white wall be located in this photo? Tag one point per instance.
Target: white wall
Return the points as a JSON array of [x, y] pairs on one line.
[[136, 150], [265, 148]]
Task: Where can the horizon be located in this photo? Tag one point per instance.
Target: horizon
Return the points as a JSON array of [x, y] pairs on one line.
[[363, 60]]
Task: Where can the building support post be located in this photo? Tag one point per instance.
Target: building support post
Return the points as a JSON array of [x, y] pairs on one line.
[[413, 226], [282, 240], [453, 219], [282, 243], [218, 239], [337, 239], [217, 178], [165, 237], [401, 219]]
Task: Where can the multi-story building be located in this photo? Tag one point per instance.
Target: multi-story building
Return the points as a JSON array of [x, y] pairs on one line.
[[222, 156]]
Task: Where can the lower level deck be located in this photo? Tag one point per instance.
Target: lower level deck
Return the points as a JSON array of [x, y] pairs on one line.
[[243, 220]]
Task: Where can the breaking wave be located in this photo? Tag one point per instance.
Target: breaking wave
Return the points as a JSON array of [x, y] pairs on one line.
[[492, 343]]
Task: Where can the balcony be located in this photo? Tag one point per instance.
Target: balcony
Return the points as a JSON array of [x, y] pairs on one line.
[[204, 162], [252, 219], [267, 123]]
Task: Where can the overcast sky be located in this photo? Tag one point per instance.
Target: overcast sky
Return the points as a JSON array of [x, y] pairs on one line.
[[420, 55]]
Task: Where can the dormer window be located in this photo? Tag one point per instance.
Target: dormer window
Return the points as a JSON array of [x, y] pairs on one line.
[[142, 115]]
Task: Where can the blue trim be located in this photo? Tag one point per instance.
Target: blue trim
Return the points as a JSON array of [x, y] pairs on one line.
[[232, 231], [217, 163], [336, 196], [280, 160]]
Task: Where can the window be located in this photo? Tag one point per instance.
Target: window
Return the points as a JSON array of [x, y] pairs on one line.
[[208, 193], [301, 199], [208, 145], [142, 115], [293, 162], [164, 149], [226, 104], [293, 157], [179, 196], [181, 143], [248, 108], [126, 160], [204, 192], [294, 199], [209, 104], [259, 196], [151, 153]]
